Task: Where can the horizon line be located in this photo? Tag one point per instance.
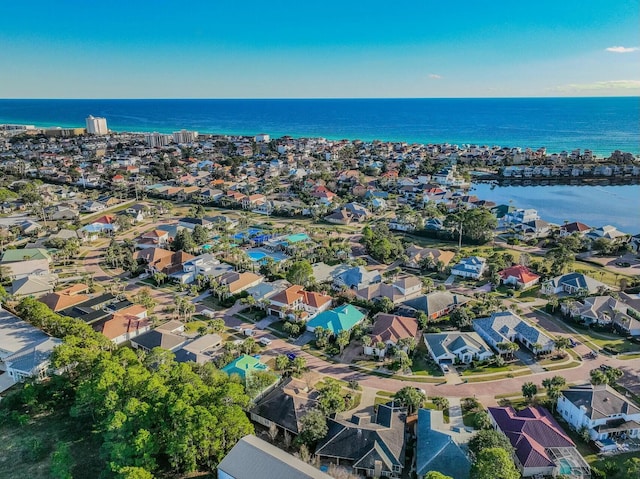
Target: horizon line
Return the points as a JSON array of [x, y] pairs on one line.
[[324, 98]]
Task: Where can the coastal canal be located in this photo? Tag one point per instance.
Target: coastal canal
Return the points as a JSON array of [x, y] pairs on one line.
[[593, 205]]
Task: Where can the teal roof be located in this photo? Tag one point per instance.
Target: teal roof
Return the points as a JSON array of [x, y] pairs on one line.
[[13, 255], [244, 365], [339, 319]]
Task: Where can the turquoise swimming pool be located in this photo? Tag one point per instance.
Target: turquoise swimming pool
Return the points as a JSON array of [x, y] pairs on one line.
[[258, 255]]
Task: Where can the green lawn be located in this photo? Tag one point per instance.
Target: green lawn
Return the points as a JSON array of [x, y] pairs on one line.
[[27, 449], [489, 369], [193, 326], [558, 367], [616, 463], [424, 366], [212, 303], [478, 379]]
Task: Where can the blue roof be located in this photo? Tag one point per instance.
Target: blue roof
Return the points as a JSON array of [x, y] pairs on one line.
[[339, 319], [437, 451]]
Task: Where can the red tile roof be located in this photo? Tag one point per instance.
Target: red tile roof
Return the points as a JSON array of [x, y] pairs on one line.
[[389, 327], [520, 272]]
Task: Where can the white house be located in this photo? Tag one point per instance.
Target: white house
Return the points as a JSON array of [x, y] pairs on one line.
[[506, 326], [609, 416], [32, 361], [471, 267], [449, 347], [295, 299], [572, 283]]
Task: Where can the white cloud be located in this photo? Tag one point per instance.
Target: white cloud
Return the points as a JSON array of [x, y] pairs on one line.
[[622, 49], [435, 76], [599, 86]]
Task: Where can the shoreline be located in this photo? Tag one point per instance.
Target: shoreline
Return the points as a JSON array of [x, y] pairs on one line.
[[117, 129]]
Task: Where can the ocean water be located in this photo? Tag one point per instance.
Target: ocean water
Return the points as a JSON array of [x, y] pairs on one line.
[[599, 124]]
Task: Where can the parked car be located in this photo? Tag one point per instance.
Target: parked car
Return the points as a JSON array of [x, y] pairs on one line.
[[264, 341], [445, 368], [291, 356], [248, 332]]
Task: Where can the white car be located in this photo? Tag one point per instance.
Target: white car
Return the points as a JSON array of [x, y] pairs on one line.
[[264, 341], [445, 368]]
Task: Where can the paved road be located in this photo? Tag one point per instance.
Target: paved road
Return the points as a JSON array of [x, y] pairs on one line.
[[485, 391]]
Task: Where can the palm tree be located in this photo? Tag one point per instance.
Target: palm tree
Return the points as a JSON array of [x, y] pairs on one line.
[[440, 402], [366, 341]]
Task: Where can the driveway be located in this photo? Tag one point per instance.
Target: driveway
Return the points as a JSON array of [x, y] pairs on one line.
[[529, 360], [304, 338]]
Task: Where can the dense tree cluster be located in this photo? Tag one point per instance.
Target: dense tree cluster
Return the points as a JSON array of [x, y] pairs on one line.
[[153, 410], [152, 413], [381, 244]]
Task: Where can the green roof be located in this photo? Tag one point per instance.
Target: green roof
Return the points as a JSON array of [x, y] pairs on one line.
[[339, 319], [13, 255], [244, 365]]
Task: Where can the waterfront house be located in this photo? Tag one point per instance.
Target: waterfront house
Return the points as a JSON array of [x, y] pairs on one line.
[[568, 229], [607, 232], [540, 446]]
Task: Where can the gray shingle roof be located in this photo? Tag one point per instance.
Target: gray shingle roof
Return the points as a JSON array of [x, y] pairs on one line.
[[30, 359], [599, 401], [253, 458], [500, 326], [436, 301], [436, 451], [366, 443]]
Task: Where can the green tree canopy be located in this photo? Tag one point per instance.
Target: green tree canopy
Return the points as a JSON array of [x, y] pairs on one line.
[[436, 475], [410, 397], [486, 439], [313, 427], [494, 463], [300, 272]]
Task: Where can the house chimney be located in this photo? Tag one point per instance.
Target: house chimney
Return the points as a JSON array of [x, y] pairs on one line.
[[377, 469]]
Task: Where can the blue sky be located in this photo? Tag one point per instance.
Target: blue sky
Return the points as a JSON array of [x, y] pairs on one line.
[[298, 49]]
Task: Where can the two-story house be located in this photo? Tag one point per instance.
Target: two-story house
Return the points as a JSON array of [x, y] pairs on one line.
[[296, 302], [608, 416]]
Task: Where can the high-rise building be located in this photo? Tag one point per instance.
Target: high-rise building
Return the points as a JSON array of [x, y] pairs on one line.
[[184, 136], [96, 125], [155, 139]]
